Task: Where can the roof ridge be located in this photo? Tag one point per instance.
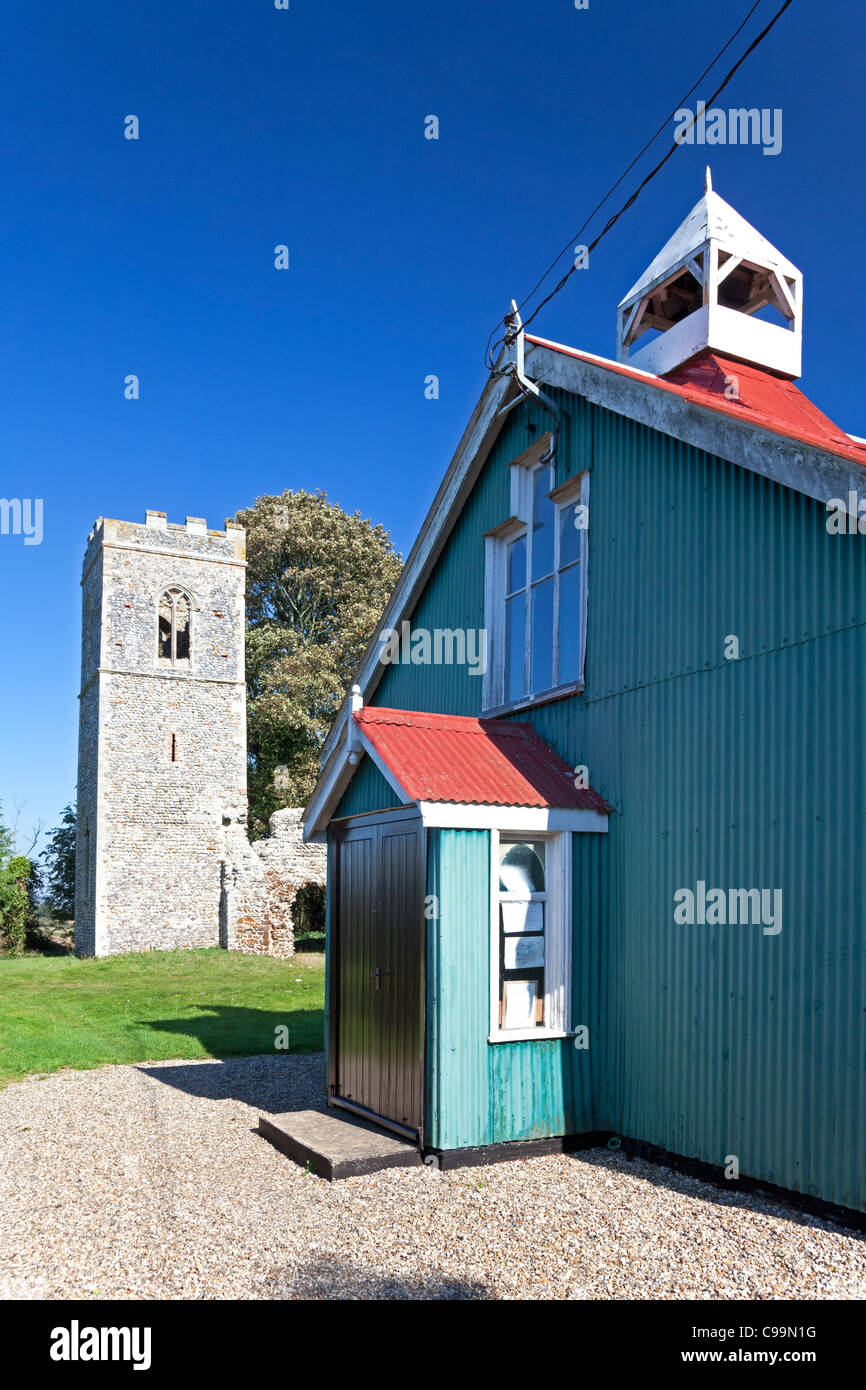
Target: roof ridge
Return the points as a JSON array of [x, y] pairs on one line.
[[462, 723], [812, 431]]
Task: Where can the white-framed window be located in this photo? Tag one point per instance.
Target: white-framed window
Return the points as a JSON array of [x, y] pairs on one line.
[[530, 936], [535, 585]]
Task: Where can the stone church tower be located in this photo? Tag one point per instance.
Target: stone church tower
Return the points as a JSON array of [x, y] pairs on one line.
[[162, 733]]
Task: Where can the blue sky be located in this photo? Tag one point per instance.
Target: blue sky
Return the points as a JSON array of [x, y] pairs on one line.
[[306, 127]]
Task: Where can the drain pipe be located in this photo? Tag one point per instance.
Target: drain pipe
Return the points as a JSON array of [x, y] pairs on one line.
[[514, 337]]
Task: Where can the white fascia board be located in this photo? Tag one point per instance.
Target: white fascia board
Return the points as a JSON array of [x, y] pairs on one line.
[[335, 778], [478, 439], [815, 473], [333, 781], [446, 815]]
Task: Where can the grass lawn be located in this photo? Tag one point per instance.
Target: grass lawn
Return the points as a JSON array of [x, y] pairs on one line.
[[56, 1011]]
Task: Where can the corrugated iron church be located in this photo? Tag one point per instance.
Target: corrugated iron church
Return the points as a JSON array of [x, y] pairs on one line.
[[594, 807]]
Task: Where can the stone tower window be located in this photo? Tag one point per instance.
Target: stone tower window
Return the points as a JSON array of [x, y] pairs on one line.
[[173, 642]]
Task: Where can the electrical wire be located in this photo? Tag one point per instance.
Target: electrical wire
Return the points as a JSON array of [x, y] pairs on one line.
[[683, 99], [489, 352]]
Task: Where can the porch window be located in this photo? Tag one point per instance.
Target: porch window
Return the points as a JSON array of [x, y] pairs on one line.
[[529, 936], [536, 587]]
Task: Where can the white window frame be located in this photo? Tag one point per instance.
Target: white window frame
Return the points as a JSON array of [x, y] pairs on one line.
[[573, 493], [557, 946]]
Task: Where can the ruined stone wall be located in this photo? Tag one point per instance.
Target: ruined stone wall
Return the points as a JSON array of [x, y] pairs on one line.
[[261, 882], [162, 747]]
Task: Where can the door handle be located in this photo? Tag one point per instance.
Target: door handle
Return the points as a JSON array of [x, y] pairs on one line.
[[377, 975]]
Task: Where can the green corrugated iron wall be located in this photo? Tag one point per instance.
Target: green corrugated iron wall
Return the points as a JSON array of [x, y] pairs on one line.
[[725, 1040], [710, 1040]]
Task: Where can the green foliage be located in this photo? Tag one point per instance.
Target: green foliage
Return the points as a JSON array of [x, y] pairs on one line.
[[15, 906], [15, 873], [308, 912], [58, 868], [317, 582], [62, 1012]]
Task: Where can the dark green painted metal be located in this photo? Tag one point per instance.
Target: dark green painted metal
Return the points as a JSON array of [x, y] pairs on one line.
[[367, 791], [707, 1041], [330, 1057], [379, 928]]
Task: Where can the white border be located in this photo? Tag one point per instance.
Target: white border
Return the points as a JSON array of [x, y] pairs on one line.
[[538, 820], [557, 995]]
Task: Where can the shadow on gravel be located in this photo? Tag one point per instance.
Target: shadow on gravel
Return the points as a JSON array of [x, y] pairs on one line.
[[273, 1083], [751, 1197], [331, 1278]]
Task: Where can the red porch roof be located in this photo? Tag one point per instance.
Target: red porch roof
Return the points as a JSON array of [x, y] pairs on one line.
[[489, 762]]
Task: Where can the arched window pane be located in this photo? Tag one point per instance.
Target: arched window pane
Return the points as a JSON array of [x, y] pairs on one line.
[[173, 639], [164, 647], [521, 866], [181, 624]]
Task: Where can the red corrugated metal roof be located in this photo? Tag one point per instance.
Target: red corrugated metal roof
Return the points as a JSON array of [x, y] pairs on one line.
[[445, 757], [767, 401]]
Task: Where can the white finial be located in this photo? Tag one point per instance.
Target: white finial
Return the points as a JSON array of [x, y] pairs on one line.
[[353, 742], [708, 182]]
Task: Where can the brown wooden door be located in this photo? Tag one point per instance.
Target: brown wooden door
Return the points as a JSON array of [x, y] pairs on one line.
[[377, 969]]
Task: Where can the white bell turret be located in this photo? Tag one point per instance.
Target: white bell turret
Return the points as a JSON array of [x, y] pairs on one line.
[[705, 291]]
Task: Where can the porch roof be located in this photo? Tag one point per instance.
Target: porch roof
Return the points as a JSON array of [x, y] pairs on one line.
[[459, 760]]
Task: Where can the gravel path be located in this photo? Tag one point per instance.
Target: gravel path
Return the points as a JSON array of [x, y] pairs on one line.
[[148, 1182]]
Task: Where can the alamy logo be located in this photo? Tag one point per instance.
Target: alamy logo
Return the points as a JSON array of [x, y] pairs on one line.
[[444, 646], [719, 907], [739, 126], [22, 516], [846, 518], [77, 1343]]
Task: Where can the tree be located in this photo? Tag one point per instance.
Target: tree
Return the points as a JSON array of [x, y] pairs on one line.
[[317, 582], [58, 868], [15, 905]]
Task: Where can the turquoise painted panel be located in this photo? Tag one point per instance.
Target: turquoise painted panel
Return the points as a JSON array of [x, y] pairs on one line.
[[480, 1092], [459, 1106], [530, 1090], [367, 791], [741, 773]]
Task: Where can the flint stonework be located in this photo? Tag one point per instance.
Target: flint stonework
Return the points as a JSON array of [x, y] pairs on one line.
[[261, 882]]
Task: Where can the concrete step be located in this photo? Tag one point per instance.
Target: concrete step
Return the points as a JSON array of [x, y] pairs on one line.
[[335, 1144]]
